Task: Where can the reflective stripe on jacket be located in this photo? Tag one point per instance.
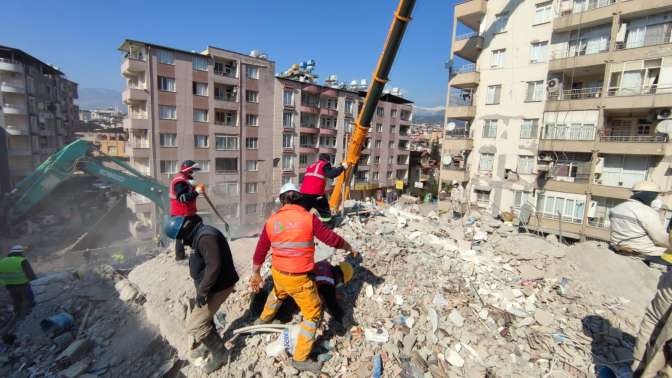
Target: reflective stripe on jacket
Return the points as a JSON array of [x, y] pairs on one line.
[[11, 271], [315, 179], [290, 231], [177, 208], [324, 274]]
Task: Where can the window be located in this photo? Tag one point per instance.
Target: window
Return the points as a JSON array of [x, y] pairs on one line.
[[571, 210], [379, 127], [286, 179], [535, 91], [226, 93], [391, 145], [168, 140], [499, 26], [390, 175], [288, 120], [497, 58], [493, 94], [251, 72], [287, 162], [168, 166], [349, 106], [393, 129], [166, 57], [490, 128], [201, 141], [539, 52], [226, 118], [303, 159], [199, 89], [377, 143], [529, 129], [167, 112], [226, 165], [200, 115], [227, 68], [288, 97], [204, 164], [487, 161], [199, 63], [226, 142], [227, 187], [525, 164], [376, 160], [375, 176], [331, 103], [482, 196], [327, 123], [251, 143], [543, 13], [252, 96], [250, 209], [166, 84], [520, 198], [287, 140], [252, 120], [251, 188], [252, 165], [380, 111], [347, 125], [393, 113], [229, 209]]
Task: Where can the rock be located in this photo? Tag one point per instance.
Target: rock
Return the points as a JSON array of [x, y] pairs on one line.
[[392, 349], [454, 358], [63, 340], [456, 318], [544, 318], [75, 370], [409, 342], [74, 352]]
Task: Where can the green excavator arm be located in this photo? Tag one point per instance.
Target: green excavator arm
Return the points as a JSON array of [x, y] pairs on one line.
[[83, 156]]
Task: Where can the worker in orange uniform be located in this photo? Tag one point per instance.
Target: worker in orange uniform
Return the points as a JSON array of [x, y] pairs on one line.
[[314, 183], [290, 234], [183, 191]]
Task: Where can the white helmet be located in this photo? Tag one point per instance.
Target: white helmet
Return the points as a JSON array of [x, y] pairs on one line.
[[17, 248], [288, 187], [646, 186]]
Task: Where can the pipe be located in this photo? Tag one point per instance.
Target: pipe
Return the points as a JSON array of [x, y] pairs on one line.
[[260, 326], [380, 76]]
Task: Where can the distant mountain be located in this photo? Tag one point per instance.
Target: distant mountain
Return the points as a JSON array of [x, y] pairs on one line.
[[95, 98], [428, 115]]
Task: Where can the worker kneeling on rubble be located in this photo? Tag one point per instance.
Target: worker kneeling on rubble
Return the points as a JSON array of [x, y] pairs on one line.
[[290, 233], [636, 226], [214, 274], [16, 274], [314, 183], [183, 191], [328, 278]]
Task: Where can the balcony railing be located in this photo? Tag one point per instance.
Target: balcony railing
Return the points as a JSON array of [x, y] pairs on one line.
[[634, 138], [575, 94], [642, 90], [461, 97], [562, 132], [561, 52], [466, 68], [140, 144], [457, 134], [599, 223], [649, 40], [466, 36], [568, 7]]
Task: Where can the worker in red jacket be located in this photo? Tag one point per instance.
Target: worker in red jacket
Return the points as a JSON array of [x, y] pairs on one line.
[[314, 183], [183, 191]]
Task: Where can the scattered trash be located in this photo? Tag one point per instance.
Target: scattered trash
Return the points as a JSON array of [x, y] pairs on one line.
[[377, 367], [376, 335], [57, 324]]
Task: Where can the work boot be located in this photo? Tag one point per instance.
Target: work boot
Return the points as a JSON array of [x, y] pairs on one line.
[[198, 352], [215, 346], [307, 365]]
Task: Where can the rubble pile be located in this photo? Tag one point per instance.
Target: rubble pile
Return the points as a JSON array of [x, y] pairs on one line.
[[437, 297]]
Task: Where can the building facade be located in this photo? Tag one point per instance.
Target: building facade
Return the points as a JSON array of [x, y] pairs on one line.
[[110, 141], [596, 89], [37, 114]]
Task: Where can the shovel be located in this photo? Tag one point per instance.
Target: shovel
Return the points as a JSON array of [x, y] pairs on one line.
[[227, 231]]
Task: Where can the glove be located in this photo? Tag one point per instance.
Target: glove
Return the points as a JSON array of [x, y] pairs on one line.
[[201, 300], [255, 282], [344, 165], [200, 188]]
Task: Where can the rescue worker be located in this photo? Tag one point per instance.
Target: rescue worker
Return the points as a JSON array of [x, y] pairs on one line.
[[183, 191], [214, 274], [314, 183], [16, 274], [328, 278], [457, 200], [290, 233], [636, 226]]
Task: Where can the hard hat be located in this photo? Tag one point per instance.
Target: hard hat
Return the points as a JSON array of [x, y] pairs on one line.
[[288, 187], [347, 270], [189, 165], [455, 182], [646, 186], [17, 248], [173, 226]]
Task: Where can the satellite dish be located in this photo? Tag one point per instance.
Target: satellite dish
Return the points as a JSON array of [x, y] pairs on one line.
[[665, 127], [450, 126]]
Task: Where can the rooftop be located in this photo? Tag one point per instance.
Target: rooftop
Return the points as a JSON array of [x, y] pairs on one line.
[[21, 55]]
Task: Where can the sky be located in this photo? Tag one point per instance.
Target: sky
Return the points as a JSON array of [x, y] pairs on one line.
[[344, 37]]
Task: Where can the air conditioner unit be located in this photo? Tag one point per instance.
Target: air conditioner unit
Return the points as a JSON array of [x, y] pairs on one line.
[[600, 165], [553, 85], [664, 114], [592, 209]]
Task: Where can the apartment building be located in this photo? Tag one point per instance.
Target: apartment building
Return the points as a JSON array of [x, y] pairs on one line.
[[316, 119], [215, 107], [109, 140], [37, 114], [606, 88]]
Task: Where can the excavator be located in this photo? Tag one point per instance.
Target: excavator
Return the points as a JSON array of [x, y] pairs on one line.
[[78, 156]]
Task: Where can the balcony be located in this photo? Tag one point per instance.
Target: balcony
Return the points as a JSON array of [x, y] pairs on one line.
[[574, 99], [461, 104], [552, 225], [465, 76], [328, 112], [12, 88], [136, 123], [607, 191], [468, 46], [470, 12], [633, 144], [17, 130], [577, 185], [457, 141], [327, 149], [641, 97], [328, 131], [567, 57], [588, 14], [305, 129], [13, 109], [308, 149], [454, 174], [567, 138], [310, 109], [132, 67], [20, 151], [11, 65], [134, 95]]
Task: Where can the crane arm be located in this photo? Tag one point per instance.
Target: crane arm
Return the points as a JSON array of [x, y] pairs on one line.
[[402, 16]]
